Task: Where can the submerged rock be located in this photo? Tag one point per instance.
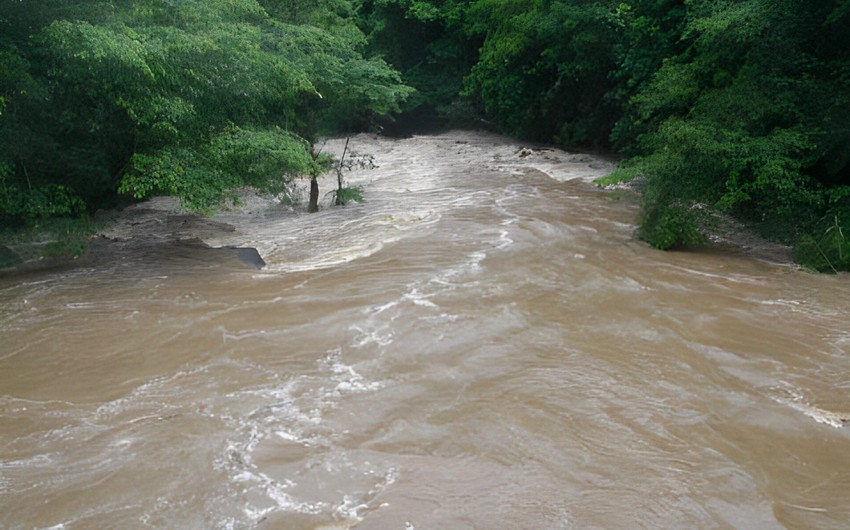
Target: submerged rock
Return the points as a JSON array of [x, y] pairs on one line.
[[249, 256], [160, 256]]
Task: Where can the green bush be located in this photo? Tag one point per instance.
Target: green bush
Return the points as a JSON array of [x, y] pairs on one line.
[[672, 226], [26, 204], [346, 195], [828, 250]]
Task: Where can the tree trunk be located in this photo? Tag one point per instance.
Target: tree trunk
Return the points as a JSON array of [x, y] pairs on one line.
[[339, 174], [313, 207]]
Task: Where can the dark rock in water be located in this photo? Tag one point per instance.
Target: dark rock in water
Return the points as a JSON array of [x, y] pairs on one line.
[[163, 257], [194, 252], [8, 257], [249, 256]]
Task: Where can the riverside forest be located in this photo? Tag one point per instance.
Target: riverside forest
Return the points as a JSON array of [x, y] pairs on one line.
[[738, 107]]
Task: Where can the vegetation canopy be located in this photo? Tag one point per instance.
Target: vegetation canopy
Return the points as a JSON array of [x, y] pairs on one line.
[[194, 98], [738, 106]]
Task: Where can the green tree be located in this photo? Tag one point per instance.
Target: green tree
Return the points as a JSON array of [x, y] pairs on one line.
[[751, 118], [193, 98], [425, 41], [544, 69]]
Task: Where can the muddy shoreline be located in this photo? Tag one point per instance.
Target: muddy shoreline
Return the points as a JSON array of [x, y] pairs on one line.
[[155, 231]]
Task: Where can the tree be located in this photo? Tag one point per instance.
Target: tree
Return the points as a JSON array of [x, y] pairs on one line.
[[747, 118], [427, 41], [194, 98]]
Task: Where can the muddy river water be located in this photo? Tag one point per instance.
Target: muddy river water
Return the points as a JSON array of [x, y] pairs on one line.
[[482, 344]]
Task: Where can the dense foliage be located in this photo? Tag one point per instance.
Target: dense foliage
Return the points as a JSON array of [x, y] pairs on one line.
[[740, 106], [752, 117], [102, 98]]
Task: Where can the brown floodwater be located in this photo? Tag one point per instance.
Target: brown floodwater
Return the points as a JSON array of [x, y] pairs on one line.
[[482, 344]]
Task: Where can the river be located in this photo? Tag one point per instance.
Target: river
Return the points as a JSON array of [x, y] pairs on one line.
[[482, 344]]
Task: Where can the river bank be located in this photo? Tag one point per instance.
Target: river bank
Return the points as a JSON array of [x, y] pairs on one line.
[[159, 227], [160, 231]]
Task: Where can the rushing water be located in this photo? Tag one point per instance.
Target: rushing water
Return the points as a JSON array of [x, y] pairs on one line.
[[482, 344]]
